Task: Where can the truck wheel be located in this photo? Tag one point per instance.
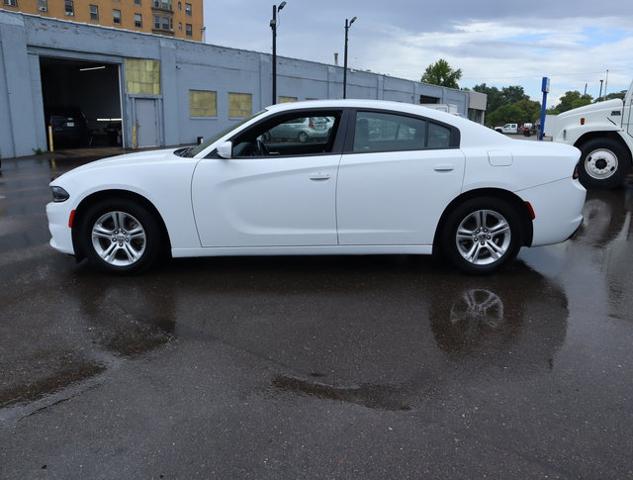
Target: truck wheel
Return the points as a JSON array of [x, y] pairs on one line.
[[604, 163]]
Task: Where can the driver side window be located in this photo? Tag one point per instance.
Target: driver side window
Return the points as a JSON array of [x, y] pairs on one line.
[[289, 135]]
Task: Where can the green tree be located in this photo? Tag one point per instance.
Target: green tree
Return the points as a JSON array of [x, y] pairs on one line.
[[441, 73], [569, 101], [495, 97], [513, 94], [614, 95], [508, 105]]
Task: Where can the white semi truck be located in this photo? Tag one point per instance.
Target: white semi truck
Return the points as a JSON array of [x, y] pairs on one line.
[[603, 131]]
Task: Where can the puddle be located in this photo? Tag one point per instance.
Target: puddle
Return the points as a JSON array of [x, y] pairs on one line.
[[61, 379], [379, 397]]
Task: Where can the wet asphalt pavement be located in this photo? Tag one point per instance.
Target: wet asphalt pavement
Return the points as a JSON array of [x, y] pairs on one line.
[[335, 367]]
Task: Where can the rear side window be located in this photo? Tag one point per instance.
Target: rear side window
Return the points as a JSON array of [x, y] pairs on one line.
[[389, 132], [439, 136]]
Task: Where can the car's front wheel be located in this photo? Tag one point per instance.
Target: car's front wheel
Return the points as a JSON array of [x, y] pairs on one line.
[[481, 235], [120, 236]]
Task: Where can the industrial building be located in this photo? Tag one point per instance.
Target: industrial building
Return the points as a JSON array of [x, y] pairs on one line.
[[143, 90]]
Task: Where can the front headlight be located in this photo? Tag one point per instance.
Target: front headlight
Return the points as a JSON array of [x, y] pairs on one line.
[[59, 194]]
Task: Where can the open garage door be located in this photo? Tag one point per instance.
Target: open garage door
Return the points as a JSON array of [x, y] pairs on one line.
[[82, 103]]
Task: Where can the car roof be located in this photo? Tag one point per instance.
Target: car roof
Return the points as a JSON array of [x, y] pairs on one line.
[[348, 103], [373, 104]]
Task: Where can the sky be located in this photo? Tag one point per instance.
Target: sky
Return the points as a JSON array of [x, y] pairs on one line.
[[497, 42]]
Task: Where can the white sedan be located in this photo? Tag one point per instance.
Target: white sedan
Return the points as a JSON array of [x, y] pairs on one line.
[[387, 178]]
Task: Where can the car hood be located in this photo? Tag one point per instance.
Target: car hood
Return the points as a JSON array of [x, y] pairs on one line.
[[136, 158], [594, 107]]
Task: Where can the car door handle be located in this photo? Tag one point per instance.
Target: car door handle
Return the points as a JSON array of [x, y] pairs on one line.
[[444, 167], [319, 177]]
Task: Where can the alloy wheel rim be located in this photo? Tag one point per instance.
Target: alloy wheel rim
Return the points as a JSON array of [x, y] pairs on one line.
[[119, 238], [483, 237], [601, 164]]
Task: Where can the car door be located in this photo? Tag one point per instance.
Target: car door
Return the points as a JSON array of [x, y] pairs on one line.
[[272, 192], [397, 175]]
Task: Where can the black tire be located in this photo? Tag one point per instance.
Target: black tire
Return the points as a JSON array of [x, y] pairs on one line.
[[448, 236], [616, 179], [148, 221]]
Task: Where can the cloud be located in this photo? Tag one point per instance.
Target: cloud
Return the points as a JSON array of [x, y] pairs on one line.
[[574, 42]]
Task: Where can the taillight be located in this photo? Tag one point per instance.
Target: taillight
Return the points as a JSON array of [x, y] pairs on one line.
[[576, 173]]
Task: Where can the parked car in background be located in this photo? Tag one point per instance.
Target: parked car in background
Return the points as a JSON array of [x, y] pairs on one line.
[[603, 131], [511, 128], [387, 178], [301, 130], [528, 129], [70, 128]]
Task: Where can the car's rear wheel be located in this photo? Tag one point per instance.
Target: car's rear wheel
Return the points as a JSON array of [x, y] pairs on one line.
[[120, 236], [604, 163], [482, 234], [303, 137]]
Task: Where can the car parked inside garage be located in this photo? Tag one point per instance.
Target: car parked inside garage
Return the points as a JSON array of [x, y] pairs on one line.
[[388, 178]]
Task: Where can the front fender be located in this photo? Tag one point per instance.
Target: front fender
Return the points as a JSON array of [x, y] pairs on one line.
[[166, 186], [571, 135]]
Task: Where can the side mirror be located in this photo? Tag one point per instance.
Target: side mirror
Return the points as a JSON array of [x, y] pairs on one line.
[[225, 150]]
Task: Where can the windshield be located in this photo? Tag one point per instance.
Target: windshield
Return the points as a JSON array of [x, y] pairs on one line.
[[195, 150]]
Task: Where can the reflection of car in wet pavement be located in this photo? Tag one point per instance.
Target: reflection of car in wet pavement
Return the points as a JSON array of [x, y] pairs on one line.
[[605, 214], [484, 327]]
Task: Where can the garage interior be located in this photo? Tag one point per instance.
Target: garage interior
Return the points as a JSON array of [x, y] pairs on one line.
[[82, 103]]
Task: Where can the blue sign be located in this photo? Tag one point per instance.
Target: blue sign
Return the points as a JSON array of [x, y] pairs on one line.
[[545, 90], [545, 85]]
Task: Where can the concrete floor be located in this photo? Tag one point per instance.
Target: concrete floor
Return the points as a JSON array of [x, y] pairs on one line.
[[341, 367]]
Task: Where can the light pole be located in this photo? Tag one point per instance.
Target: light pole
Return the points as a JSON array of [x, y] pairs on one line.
[[348, 23], [600, 94], [273, 26]]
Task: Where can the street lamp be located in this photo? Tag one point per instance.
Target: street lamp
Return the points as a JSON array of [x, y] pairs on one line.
[[273, 26], [348, 24]]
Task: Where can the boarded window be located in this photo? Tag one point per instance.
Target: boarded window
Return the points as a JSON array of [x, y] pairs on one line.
[[240, 105], [203, 103], [142, 77], [287, 99]]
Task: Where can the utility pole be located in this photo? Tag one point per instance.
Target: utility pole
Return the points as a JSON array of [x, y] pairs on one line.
[[273, 26], [585, 89], [601, 83], [348, 24], [606, 84]]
